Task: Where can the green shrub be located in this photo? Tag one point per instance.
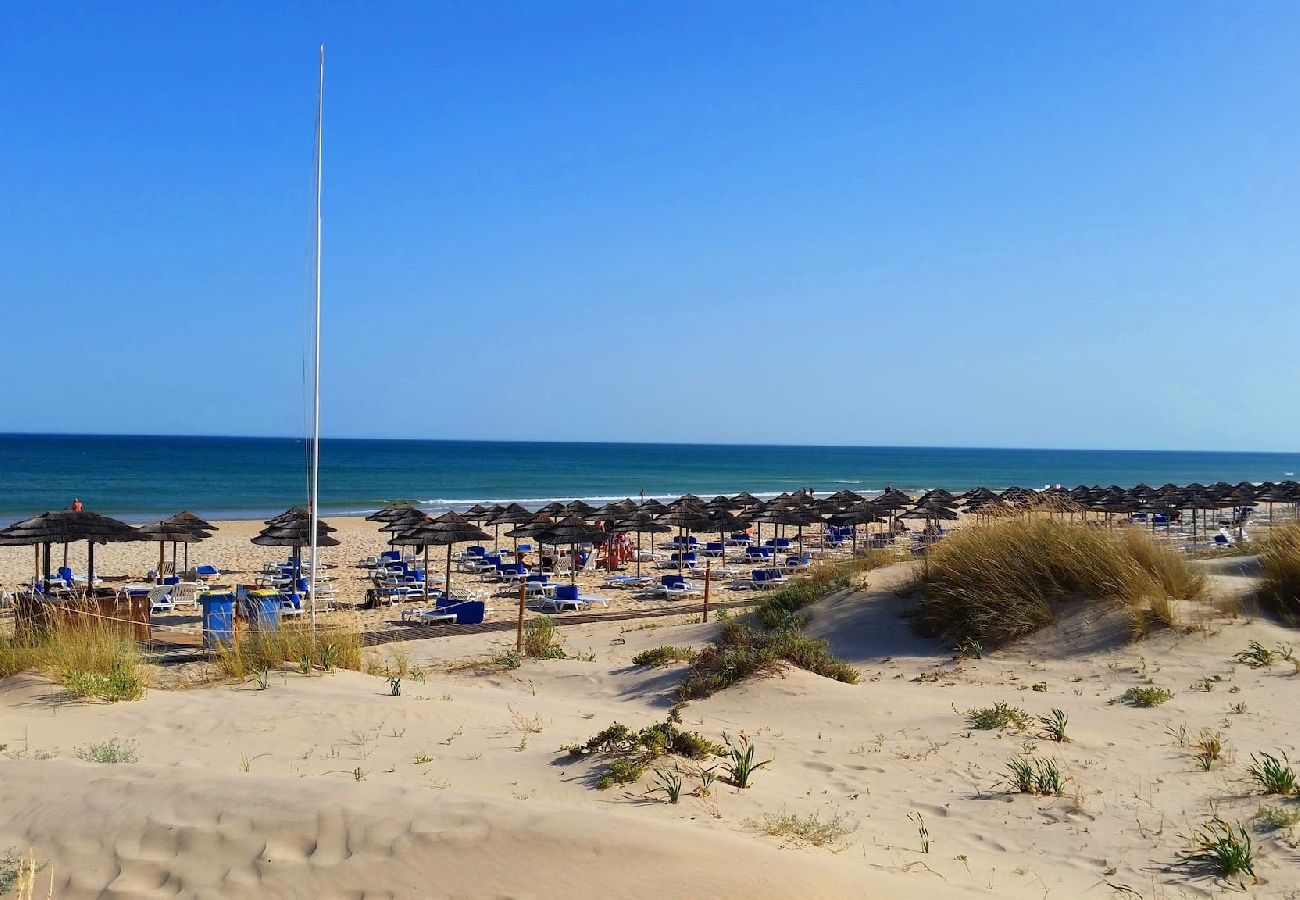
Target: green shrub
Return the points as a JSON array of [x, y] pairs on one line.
[[662, 656], [989, 584], [1146, 696], [998, 716], [630, 752], [109, 752], [1278, 816], [742, 653], [329, 645]]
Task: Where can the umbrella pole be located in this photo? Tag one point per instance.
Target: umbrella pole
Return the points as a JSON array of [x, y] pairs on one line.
[[426, 572], [446, 577], [162, 558], [65, 554], [90, 565], [573, 564], [638, 554]]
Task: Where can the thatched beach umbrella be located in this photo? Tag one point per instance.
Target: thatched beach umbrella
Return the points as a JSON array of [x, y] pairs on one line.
[[165, 532], [444, 531], [687, 515], [641, 523], [292, 528], [66, 526], [573, 531], [514, 514], [863, 513], [387, 512], [185, 517]]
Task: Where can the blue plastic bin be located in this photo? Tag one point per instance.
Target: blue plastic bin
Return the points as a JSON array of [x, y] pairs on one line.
[[262, 609], [218, 619]]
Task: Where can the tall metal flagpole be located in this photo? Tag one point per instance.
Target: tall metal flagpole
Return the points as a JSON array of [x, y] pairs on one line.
[[315, 399]]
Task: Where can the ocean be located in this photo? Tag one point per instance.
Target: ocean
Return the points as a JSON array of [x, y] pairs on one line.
[[144, 478]]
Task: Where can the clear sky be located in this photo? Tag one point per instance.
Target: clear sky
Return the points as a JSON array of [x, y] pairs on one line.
[[1009, 224]]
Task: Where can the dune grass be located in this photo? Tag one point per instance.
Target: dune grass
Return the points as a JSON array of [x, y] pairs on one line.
[[91, 658], [782, 607], [743, 652], [992, 583], [1279, 559], [337, 645]]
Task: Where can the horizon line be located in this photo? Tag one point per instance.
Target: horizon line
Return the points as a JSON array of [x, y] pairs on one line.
[[281, 437]]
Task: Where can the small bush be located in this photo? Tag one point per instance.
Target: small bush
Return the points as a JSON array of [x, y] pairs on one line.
[[998, 716], [630, 752], [809, 829], [1224, 849], [109, 752], [662, 656], [1278, 817], [540, 640], [1146, 696], [993, 583], [1274, 776], [743, 653]]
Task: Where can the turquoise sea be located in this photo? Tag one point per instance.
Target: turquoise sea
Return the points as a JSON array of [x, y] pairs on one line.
[[139, 478]]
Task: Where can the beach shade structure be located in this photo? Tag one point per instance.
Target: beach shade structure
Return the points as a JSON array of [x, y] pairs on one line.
[[578, 508], [513, 514], [607, 513], [528, 530], [554, 509], [293, 531], [845, 497], [67, 526], [793, 515], [722, 501], [641, 524], [651, 506], [185, 517], [725, 522], [686, 515], [387, 512], [573, 531], [401, 521], [863, 513], [173, 533], [477, 513], [443, 531]]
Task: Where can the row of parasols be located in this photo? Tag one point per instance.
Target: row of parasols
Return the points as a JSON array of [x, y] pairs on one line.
[[573, 524]]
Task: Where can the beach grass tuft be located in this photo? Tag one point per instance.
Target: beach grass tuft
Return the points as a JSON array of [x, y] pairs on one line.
[[742, 652], [628, 753], [338, 644], [997, 717], [92, 659], [783, 608], [810, 830], [1146, 696], [540, 641], [1279, 561], [992, 583], [1273, 774], [1222, 848], [662, 656]]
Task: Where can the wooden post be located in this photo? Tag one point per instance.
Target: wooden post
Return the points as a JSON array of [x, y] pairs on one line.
[[708, 579], [519, 631]]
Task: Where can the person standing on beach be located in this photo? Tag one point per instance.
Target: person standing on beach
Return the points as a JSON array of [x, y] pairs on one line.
[[76, 504]]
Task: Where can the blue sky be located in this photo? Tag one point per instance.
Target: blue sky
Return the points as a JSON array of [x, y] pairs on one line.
[[1008, 224]]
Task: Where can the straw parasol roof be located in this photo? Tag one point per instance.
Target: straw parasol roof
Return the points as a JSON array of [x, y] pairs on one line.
[[66, 526], [185, 517]]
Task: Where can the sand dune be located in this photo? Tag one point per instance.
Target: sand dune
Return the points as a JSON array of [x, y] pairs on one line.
[[464, 791]]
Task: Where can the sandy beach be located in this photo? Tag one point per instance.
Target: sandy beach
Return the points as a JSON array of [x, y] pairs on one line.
[[326, 785]]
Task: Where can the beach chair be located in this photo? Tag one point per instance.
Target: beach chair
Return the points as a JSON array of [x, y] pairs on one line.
[[796, 562], [435, 616], [758, 554], [160, 600], [565, 596], [205, 571], [675, 586], [715, 549]]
